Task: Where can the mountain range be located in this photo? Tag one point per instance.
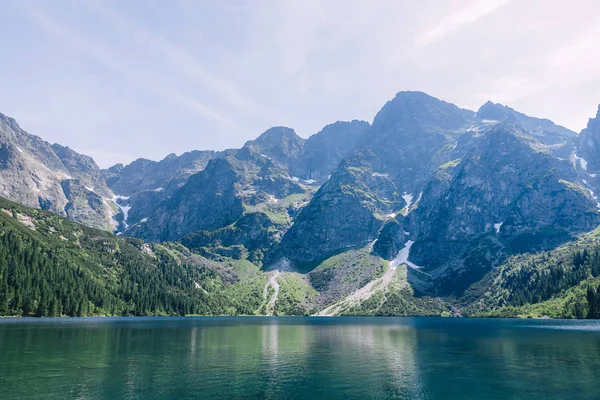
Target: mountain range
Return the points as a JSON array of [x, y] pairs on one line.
[[429, 210]]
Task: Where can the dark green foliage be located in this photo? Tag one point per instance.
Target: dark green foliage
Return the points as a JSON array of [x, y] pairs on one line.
[[560, 283], [593, 300], [251, 236], [63, 268]]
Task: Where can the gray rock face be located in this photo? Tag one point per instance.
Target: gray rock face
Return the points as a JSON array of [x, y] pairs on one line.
[[207, 201], [340, 215], [52, 177], [324, 150], [561, 141], [165, 175], [391, 239], [274, 166], [221, 194], [588, 145], [509, 186], [541, 128], [410, 137], [147, 183], [280, 143]]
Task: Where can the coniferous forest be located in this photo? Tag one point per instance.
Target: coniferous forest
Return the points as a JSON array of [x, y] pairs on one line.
[[50, 266], [562, 283]]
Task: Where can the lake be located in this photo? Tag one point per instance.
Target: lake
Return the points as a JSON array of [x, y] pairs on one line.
[[298, 358]]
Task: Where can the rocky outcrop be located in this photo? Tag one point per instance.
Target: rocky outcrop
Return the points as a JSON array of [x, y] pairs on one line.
[[166, 175], [222, 193], [391, 239], [409, 138], [588, 145], [280, 143], [249, 238], [340, 215], [324, 150], [510, 186], [52, 177], [560, 140]]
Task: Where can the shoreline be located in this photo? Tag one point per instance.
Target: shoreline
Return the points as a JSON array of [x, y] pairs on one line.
[[316, 317]]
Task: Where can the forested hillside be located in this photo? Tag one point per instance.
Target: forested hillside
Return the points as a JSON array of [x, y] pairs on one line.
[[563, 283], [50, 266]]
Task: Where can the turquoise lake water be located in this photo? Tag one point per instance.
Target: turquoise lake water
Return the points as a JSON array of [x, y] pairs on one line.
[[298, 358]]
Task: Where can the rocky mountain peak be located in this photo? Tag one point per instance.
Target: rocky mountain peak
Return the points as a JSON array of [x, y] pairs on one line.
[[547, 130], [492, 111], [417, 111], [276, 135], [588, 144], [34, 172], [10, 122], [280, 143], [324, 150]]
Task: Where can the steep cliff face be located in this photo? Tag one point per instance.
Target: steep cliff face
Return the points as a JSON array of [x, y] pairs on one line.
[[324, 150], [52, 177], [223, 192], [144, 184], [409, 138], [560, 140], [342, 214], [166, 175], [280, 143], [509, 186], [588, 145]]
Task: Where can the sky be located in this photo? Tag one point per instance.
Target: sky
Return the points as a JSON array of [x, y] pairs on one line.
[[119, 80]]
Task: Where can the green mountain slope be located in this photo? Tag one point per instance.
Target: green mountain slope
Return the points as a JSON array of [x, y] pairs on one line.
[[51, 266], [562, 283]]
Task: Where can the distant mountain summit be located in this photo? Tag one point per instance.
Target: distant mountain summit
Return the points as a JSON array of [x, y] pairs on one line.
[[279, 143], [52, 177], [426, 203]]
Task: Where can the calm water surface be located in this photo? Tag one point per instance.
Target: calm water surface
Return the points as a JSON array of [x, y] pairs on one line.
[[298, 358]]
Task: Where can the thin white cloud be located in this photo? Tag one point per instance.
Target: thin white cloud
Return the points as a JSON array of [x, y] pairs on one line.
[[115, 64], [463, 17], [180, 58]]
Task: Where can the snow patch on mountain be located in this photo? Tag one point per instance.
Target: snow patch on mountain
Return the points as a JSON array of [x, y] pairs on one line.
[[498, 226], [374, 286], [575, 160], [305, 181], [408, 198], [124, 209], [402, 257], [595, 198]]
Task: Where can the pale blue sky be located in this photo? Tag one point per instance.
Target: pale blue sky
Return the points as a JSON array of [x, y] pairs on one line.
[[120, 80]]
